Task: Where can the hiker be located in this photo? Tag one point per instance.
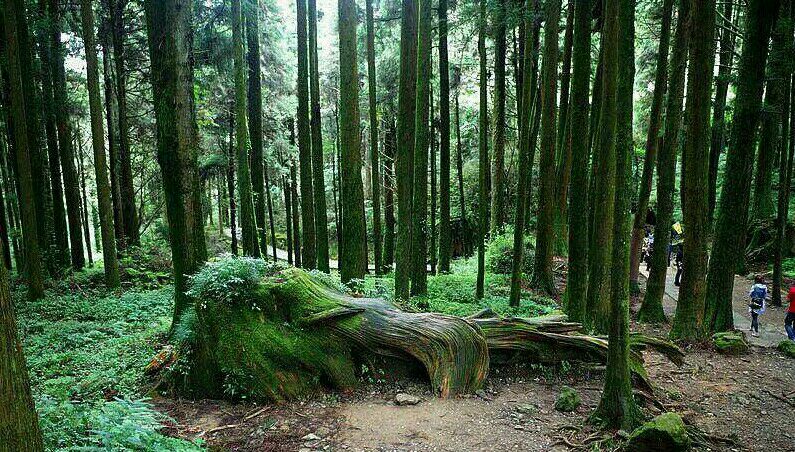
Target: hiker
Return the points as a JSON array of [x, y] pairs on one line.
[[756, 307], [789, 320], [679, 264]]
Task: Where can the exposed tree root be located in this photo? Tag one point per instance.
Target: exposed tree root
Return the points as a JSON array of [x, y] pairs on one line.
[[288, 333]]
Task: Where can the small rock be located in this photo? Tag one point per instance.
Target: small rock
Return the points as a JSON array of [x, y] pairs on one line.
[[730, 343], [568, 400], [664, 433], [406, 399], [526, 408], [322, 431], [304, 449], [482, 394], [311, 437]]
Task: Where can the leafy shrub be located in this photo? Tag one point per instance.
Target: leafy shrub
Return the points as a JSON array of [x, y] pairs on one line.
[[499, 252], [230, 279]]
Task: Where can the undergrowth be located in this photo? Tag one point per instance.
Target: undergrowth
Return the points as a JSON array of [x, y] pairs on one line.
[[86, 349]]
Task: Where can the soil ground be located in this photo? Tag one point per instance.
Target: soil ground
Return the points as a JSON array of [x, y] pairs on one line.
[[742, 403]]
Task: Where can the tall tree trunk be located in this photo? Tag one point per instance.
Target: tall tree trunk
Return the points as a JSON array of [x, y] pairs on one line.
[[688, 322], [731, 222], [251, 11], [419, 205], [83, 200], [288, 222], [784, 183], [601, 246], [5, 214], [230, 182], [271, 219], [112, 123], [526, 156], [376, 176], [434, 191], [353, 260], [248, 223], [445, 233], [770, 133], [404, 158], [543, 277], [17, 51], [717, 142], [562, 144], [19, 423], [318, 178], [60, 255], [105, 206], [305, 145], [65, 149], [498, 191], [296, 201], [617, 407], [651, 310], [170, 34], [389, 193], [126, 189], [577, 278], [459, 159], [652, 143], [483, 152]]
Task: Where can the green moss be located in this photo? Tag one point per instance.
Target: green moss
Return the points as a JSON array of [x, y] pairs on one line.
[[568, 400], [664, 433], [730, 343], [787, 347]]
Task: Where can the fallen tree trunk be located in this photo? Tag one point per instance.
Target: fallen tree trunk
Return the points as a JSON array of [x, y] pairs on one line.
[[274, 334]]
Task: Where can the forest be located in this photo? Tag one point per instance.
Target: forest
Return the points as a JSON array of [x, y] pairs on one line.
[[397, 225]]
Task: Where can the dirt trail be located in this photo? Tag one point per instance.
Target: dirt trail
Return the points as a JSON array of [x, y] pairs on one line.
[[771, 323]]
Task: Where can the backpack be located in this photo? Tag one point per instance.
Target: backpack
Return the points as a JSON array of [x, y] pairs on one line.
[[759, 292]]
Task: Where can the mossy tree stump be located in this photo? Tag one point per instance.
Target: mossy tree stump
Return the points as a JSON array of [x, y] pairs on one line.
[[269, 333]]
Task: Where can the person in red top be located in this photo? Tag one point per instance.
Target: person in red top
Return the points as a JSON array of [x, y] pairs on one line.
[[789, 320]]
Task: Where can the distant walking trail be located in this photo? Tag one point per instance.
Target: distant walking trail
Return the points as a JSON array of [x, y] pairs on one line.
[[771, 323]]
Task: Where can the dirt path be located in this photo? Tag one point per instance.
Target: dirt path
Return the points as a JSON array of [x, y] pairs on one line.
[[771, 323]]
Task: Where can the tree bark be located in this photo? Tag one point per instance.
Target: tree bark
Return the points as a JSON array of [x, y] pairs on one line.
[[170, 32], [731, 222], [389, 192], [498, 191], [717, 143], [248, 222], [374, 163], [126, 189], [543, 277], [784, 183], [305, 145], [404, 158], [65, 148], [651, 310], [19, 423], [18, 62], [688, 322], [445, 237], [353, 260], [617, 407], [770, 133], [483, 152], [230, 182], [251, 11], [104, 204], [577, 278], [83, 200]]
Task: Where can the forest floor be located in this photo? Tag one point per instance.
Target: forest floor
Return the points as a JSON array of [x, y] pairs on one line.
[[741, 402]]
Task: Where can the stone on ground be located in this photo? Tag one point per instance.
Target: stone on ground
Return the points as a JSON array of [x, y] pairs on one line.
[[730, 343], [664, 433], [406, 399], [568, 400]]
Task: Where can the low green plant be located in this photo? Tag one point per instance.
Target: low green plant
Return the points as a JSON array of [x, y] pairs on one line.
[[499, 252]]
